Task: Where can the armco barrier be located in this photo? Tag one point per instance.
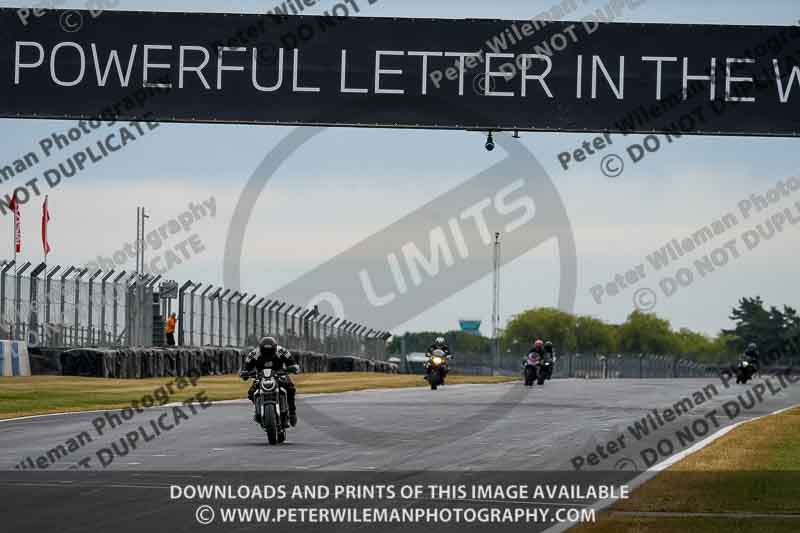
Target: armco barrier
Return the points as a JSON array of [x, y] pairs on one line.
[[135, 363], [14, 360]]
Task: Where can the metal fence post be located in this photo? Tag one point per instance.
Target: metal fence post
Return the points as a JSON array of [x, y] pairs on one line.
[[115, 310], [103, 282], [181, 312], [215, 296], [221, 303], [47, 289], [203, 312], [256, 315], [243, 341], [3, 315], [192, 294], [18, 299], [276, 324], [90, 305]]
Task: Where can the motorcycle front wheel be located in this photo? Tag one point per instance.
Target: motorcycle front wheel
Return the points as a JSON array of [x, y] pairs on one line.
[[270, 418]]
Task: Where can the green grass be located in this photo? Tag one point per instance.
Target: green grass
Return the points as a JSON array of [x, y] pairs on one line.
[[57, 394], [753, 469]]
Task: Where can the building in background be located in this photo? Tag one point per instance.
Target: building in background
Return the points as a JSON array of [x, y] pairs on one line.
[[471, 327]]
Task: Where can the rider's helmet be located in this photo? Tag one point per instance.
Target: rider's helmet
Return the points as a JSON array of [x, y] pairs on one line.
[[752, 349], [439, 340], [548, 347], [268, 346], [538, 345]]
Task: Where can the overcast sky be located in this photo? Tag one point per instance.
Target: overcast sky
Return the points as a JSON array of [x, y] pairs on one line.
[[346, 184]]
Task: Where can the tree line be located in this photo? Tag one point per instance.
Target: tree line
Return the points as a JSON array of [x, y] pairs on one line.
[[642, 333]]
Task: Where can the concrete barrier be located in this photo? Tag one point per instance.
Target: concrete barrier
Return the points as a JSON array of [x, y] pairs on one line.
[[14, 358]]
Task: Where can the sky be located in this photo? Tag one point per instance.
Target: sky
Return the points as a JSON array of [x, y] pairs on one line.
[[347, 184]]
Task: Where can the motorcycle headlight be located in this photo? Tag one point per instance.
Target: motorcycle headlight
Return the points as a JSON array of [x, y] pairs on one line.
[[437, 360], [745, 363], [268, 385]]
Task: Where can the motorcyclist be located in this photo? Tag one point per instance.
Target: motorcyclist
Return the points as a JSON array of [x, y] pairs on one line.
[[269, 354], [538, 349], [752, 356], [549, 351], [438, 344]]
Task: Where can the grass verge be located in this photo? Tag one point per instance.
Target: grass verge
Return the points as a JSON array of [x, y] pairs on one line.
[[57, 394], [753, 469]]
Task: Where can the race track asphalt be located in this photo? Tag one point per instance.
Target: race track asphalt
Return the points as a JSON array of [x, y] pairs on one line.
[[459, 427], [471, 435]]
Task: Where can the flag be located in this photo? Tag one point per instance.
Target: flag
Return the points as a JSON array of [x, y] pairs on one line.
[[45, 220], [14, 206]]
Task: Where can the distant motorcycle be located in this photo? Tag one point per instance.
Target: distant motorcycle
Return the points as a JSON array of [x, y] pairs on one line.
[[538, 369], [436, 368], [271, 404], [745, 370]]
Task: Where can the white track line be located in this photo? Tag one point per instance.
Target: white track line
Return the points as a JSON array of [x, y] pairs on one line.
[[650, 473]]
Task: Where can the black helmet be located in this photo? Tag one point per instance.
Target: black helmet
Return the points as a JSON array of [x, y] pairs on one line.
[[752, 348], [267, 345], [548, 347]]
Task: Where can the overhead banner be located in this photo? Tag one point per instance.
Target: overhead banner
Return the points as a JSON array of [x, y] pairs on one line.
[[528, 75]]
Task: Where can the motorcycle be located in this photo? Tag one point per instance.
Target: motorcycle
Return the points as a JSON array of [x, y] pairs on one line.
[[271, 404], [537, 368], [745, 370], [436, 368]]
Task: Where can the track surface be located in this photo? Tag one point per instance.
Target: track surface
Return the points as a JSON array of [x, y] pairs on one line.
[[466, 427]]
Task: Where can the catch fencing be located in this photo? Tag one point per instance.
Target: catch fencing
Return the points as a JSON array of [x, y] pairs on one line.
[[68, 306], [217, 316]]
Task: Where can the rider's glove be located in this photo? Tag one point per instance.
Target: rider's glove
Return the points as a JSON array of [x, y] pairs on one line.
[[244, 374], [294, 369]]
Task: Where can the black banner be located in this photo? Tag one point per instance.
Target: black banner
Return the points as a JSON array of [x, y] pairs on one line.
[[417, 73]]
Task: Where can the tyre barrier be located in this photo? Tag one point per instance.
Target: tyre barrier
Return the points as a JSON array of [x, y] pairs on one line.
[[137, 363]]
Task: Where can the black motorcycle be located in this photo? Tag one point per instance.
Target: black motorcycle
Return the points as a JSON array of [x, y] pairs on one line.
[[745, 370], [271, 403], [436, 368], [538, 369]]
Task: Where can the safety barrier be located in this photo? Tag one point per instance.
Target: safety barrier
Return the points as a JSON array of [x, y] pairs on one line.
[[136, 363], [14, 360]]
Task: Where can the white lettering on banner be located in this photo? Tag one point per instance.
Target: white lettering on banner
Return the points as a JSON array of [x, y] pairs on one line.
[[72, 64]]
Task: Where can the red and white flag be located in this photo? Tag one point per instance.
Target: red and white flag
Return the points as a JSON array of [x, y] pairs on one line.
[[14, 206], [45, 220]]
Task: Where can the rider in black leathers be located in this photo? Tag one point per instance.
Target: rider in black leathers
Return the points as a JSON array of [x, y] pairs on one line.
[[752, 356], [438, 344], [268, 354]]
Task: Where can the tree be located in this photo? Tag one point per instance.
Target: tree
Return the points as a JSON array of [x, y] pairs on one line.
[[774, 330], [645, 333], [544, 323], [594, 336]]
